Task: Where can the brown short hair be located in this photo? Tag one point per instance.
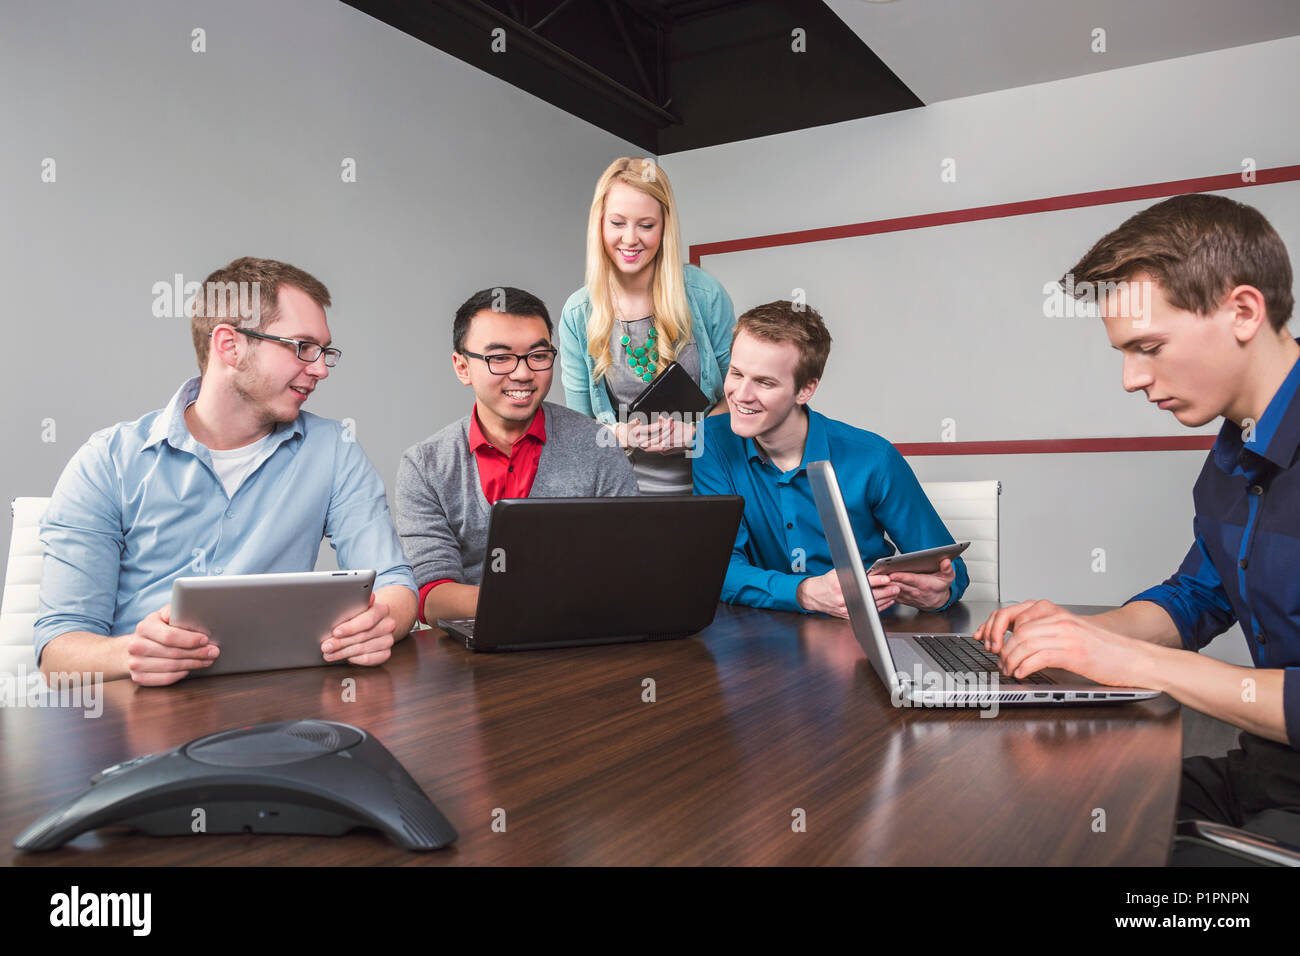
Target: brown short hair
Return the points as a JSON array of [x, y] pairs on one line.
[[1197, 247], [227, 297], [783, 321]]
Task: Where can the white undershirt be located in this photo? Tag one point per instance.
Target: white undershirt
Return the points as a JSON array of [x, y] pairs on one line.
[[233, 466]]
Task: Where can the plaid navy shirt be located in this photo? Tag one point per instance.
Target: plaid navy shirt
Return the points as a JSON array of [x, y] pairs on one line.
[[1245, 563]]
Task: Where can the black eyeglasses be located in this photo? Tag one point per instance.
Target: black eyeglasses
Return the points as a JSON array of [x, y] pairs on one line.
[[307, 351], [503, 363]]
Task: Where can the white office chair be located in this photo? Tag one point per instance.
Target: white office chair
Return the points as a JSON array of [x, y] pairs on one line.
[[969, 509], [19, 608]]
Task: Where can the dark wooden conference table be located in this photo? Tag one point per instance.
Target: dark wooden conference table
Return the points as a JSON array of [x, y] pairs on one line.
[[761, 723]]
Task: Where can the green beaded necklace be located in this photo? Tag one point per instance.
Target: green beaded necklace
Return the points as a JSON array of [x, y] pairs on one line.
[[644, 358]]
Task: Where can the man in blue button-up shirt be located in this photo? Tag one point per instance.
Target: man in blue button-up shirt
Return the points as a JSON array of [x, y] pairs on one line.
[[1199, 304], [232, 477], [761, 451]]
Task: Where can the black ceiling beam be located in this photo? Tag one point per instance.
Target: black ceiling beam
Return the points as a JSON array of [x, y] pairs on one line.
[[463, 29], [727, 68], [653, 11], [537, 27], [617, 14], [736, 74], [686, 9], [544, 51]]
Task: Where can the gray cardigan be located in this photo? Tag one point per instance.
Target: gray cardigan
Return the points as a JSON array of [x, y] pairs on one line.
[[442, 516]]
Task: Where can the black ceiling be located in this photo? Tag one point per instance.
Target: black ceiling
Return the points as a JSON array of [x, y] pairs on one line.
[[667, 75]]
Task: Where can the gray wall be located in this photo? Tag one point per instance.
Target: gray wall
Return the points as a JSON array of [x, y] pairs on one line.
[[948, 323], [173, 161]]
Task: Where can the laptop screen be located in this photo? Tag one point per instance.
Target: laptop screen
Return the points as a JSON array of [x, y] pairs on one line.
[[853, 576]]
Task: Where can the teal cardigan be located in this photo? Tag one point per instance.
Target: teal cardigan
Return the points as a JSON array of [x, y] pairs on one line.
[[712, 319]]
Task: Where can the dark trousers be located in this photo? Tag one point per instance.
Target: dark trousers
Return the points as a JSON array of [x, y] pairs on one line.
[[1255, 787]]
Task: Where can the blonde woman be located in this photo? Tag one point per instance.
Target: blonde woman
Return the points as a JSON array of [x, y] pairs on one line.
[[639, 310]]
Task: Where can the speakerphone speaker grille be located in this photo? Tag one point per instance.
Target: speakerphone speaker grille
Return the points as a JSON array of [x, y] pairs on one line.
[[273, 744]]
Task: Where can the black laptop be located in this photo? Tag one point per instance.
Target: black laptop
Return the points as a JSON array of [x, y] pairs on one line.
[[562, 572]]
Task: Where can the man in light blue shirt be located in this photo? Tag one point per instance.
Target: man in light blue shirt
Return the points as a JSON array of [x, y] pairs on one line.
[[232, 477], [761, 450]]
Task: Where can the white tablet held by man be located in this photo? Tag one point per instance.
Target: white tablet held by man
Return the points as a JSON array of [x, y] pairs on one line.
[[266, 622], [920, 562]]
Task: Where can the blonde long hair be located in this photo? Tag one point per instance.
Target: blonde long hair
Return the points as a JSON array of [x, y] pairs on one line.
[[672, 313]]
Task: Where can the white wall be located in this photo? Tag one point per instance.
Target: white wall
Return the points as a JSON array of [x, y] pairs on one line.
[[947, 322]]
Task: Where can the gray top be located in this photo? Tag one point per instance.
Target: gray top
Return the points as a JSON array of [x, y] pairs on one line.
[[441, 515], [655, 473]]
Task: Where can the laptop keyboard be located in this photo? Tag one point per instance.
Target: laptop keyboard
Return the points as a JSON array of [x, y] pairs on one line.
[[463, 624], [962, 655]]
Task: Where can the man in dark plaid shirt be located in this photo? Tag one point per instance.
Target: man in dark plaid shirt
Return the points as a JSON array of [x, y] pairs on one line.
[[1196, 293]]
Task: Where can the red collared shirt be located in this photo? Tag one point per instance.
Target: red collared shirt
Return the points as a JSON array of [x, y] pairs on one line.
[[501, 475]]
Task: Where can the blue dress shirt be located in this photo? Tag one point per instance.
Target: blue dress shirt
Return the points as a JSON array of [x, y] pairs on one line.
[[1244, 564], [781, 540], [140, 505]]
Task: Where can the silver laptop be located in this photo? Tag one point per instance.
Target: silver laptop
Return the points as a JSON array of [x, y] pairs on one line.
[[932, 670]]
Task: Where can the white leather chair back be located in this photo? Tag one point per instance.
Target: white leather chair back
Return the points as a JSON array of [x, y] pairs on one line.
[[969, 509], [19, 607]]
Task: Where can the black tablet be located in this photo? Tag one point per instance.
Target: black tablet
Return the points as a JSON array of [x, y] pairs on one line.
[[673, 390]]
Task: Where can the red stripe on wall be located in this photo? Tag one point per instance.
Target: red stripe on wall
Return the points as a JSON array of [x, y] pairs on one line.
[[1102, 197], [1057, 446]]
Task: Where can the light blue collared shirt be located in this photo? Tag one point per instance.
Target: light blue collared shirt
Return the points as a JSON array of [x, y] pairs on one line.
[[140, 505]]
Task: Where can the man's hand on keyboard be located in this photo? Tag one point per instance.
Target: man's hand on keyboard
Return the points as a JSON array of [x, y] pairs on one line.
[[1045, 635], [1005, 619]]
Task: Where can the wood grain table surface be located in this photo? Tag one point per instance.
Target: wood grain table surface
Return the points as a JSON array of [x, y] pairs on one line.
[[770, 741]]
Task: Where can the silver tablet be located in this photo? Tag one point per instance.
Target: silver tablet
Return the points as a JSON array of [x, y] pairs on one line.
[[266, 622], [918, 562]]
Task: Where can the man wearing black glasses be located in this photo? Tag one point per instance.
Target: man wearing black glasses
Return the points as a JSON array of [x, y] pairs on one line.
[[232, 477], [511, 445]]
